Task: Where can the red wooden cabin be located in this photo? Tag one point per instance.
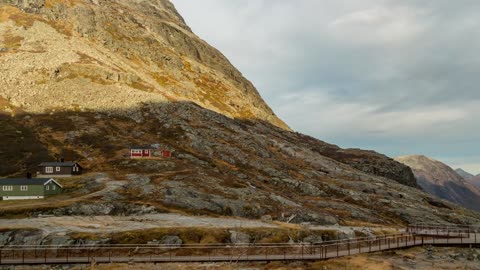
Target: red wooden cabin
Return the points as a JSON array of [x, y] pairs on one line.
[[141, 152]]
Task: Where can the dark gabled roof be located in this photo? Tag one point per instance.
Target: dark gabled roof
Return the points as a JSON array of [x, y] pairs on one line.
[[58, 164], [24, 181], [145, 147]]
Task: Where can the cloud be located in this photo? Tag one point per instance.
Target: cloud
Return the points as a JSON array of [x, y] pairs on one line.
[[400, 77]]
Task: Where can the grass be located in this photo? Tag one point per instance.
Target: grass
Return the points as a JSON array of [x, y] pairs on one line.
[[353, 263], [205, 235]]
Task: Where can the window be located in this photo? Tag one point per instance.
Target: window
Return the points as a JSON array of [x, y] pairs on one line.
[[23, 188], [75, 168], [7, 188], [47, 187], [54, 187], [49, 169], [57, 169]]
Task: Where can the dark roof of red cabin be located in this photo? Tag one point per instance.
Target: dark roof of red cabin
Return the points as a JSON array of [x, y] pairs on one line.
[[141, 148]]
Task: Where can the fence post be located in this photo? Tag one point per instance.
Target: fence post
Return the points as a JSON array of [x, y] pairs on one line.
[[45, 254], [337, 249], [67, 254], [348, 246]]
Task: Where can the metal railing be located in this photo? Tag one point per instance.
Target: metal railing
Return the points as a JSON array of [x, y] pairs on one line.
[[415, 235]]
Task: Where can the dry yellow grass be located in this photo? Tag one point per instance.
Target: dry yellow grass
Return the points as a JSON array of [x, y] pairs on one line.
[[353, 263]]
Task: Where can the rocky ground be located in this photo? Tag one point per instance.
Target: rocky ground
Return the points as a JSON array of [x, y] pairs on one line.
[[220, 167], [75, 230]]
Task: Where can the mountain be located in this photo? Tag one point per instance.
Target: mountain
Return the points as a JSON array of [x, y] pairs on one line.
[[475, 181], [442, 181], [464, 174], [66, 54], [86, 79]]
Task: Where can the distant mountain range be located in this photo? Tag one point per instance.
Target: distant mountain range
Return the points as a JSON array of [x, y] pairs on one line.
[[473, 179], [466, 175], [442, 181]]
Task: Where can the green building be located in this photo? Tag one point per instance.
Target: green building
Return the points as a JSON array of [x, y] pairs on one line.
[[28, 188]]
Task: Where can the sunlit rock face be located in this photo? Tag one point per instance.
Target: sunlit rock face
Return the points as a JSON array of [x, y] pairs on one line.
[[109, 55]]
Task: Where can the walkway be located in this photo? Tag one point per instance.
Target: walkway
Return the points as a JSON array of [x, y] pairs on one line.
[[415, 236]]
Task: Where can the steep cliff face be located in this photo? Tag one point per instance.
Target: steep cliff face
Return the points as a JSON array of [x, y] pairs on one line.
[[111, 55], [440, 180]]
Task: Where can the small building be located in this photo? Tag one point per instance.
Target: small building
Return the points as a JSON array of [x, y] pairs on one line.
[[149, 152], [28, 188], [166, 153], [59, 169], [141, 151]]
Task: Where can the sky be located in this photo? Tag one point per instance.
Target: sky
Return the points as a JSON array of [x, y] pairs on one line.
[[397, 77]]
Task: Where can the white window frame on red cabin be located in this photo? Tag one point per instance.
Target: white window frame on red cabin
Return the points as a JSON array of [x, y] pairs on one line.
[[48, 169]]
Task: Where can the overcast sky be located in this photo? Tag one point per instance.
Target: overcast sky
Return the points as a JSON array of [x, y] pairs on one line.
[[398, 77]]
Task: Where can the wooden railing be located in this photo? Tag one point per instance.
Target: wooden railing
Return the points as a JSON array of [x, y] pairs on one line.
[[414, 236]]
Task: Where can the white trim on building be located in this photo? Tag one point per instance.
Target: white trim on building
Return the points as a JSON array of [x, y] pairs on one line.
[[12, 198]]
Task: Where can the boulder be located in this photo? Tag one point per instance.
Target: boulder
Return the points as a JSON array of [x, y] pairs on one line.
[[313, 239], [237, 237], [171, 240]]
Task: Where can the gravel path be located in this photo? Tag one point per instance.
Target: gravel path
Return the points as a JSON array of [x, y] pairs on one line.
[[107, 224]]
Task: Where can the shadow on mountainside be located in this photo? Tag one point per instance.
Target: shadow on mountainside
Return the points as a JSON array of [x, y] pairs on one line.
[[25, 131], [224, 166], [453, 192]]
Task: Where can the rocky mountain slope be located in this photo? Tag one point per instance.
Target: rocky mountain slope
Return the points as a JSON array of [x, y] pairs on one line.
[[440, 180], [472, 179], [475, 181], [113, 55], [85, 80], [220, 167]]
